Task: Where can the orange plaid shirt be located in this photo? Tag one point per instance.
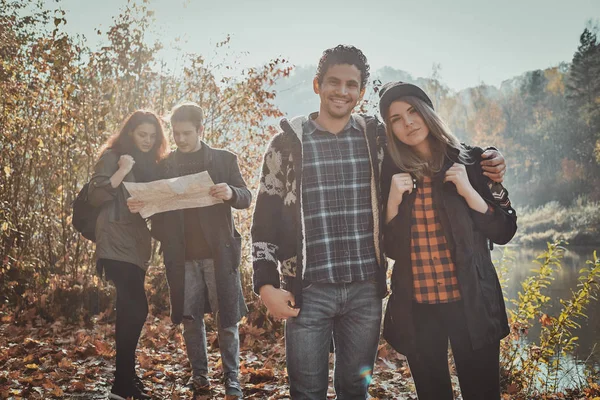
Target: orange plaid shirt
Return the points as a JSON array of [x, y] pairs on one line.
[[434, 274]]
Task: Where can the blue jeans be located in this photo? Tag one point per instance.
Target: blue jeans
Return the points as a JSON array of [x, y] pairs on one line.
[[350, 313], [200, 284]]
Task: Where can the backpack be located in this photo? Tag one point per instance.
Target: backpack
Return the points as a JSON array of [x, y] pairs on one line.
[[85, 215]]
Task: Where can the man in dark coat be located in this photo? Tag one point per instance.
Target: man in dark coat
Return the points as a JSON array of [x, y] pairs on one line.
[[202, 249]]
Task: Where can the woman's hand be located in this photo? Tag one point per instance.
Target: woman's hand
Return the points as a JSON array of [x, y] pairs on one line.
[[125, 163], [401, 183], [134, 205], [457, 174]]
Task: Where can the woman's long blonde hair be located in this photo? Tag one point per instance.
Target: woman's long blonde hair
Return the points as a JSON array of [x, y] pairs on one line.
[[441, 140]]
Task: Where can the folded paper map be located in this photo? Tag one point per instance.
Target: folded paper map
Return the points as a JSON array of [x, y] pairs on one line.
[[187, 191]]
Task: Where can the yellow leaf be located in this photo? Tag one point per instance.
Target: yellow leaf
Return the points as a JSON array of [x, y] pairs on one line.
[[4, 226], [65, 363], [69, 89], [7, 171], [32, 366]]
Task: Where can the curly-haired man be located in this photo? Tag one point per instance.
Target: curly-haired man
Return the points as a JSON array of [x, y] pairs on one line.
[[317, 214]]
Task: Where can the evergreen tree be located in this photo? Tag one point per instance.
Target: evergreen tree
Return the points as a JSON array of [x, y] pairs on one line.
[[583, 84]]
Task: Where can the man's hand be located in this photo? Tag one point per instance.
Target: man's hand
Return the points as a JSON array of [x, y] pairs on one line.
[[221, 191], [494, 165], [276, 301], [134, 205]]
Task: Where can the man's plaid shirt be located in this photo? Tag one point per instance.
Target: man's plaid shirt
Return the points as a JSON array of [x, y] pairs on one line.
[[434, 274], [336, 196]]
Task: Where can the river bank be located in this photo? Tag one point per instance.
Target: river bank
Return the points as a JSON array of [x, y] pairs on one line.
[[577, 224]]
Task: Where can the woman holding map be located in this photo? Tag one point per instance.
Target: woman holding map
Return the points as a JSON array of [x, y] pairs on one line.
[[122, 238]]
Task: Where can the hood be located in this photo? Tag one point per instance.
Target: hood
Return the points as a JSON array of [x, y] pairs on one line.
[[293, 125]]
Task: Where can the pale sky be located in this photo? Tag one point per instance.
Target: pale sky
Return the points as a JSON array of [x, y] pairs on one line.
[[474, 40]]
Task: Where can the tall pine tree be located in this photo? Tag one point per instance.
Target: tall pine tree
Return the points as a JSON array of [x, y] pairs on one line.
[[583, 84]]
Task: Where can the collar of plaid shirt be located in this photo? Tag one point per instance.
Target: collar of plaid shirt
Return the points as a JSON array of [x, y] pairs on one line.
[[336, 172], [312, 125]]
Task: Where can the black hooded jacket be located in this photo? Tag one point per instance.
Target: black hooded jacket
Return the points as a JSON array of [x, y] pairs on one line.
[[469, 234]]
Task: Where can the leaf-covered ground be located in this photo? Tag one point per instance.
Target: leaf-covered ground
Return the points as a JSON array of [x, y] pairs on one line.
[[60, 360]]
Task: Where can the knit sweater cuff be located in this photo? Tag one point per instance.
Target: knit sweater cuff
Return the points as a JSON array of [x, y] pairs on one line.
[[265, 273]]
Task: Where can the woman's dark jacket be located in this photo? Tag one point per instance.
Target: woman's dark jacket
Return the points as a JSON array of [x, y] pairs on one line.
[[219, 231], [467, 232]]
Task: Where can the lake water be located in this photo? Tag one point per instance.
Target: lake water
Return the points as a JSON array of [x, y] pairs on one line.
[[566, 280]]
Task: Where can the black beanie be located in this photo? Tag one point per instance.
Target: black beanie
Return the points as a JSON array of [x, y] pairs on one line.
[[393, 91]]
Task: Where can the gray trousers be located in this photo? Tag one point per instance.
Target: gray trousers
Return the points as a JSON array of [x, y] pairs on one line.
[[200, 284]]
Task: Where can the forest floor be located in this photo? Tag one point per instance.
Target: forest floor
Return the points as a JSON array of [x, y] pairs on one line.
[[42, 360], [60, 360]]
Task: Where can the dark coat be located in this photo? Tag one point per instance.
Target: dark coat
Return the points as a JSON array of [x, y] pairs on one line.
[[219, 231], [467, 232], [120, 235]]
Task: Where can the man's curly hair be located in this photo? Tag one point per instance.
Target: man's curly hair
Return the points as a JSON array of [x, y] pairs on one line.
[[342, 54]]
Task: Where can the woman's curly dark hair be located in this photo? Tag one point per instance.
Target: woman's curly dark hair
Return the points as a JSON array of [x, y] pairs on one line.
[[342, 54]]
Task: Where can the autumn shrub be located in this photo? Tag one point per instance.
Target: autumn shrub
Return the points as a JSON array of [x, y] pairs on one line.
[[534, 367], [60, 101], [77, 302], [157, 292]]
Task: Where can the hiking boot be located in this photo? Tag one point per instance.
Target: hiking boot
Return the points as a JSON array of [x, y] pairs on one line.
[[121, 391], [233, 387], [137, 381], [198, 383]]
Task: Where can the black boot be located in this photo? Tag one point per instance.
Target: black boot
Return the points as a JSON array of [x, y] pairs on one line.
[[127, 390], [137, 381]]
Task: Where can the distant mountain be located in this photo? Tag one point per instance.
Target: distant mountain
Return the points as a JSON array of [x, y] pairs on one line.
[[295, 95]]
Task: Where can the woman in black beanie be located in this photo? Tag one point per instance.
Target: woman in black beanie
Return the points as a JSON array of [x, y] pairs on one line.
[[442, 213]]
